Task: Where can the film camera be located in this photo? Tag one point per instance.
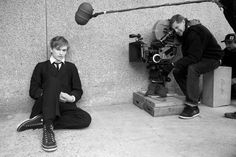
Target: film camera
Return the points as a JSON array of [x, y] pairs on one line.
[[161, 49], [158, 57]]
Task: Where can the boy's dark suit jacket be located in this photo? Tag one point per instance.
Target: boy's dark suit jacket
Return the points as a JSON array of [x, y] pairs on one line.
[[69, 82]]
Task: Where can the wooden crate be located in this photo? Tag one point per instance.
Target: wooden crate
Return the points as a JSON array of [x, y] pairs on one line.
[[138, 99], [167, 101], [217, 87], [164, 107]]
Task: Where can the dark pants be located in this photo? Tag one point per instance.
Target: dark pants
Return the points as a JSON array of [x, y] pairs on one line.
[[233, 91], [188, 78], [63, 115]]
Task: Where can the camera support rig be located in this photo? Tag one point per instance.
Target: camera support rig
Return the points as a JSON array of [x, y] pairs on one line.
[[158, 57]]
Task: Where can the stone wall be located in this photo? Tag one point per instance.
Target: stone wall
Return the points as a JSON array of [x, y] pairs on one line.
[[99, 48]]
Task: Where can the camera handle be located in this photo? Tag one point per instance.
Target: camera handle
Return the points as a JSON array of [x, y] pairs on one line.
[[134, 36], [171, 32]]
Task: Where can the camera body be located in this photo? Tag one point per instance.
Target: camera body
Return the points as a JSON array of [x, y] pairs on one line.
[[157, 55]]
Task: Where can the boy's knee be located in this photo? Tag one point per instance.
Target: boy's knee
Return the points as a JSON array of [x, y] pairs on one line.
[[87, 120]]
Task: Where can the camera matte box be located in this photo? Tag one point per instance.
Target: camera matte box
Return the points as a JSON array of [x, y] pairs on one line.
[[135, 52]]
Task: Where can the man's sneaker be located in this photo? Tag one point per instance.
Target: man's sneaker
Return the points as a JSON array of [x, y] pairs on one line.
[[48, 141], [231, 115], [33, 123], [189, 112]]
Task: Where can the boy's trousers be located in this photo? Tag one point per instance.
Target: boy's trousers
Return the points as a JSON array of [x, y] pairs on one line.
[[63, 115]]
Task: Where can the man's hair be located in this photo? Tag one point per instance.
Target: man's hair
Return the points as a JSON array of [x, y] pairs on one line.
[[176, 18], [58, 42]]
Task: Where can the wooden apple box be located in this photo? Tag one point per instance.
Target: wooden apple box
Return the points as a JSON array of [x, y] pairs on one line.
[[165, 106], [217, 87], [173, 104], [139, 99]]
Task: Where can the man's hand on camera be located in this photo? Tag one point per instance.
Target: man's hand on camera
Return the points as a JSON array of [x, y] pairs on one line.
[[64, 97]]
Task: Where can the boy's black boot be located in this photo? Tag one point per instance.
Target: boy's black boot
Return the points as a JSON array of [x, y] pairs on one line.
[[48, 141], [33, 123]]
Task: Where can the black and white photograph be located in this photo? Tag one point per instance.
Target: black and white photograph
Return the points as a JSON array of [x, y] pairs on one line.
[[125, 78]]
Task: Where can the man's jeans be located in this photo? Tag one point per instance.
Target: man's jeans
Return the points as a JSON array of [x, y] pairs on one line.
[[188, 78]]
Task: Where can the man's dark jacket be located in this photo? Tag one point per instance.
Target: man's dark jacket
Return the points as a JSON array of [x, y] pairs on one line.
[[197, 43], [68, 76], [230, 12], [229, 60]]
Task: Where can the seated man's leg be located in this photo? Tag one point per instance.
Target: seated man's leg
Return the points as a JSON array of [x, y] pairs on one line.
[[72, 117], [180, 76], [193, 92], [194, 72]]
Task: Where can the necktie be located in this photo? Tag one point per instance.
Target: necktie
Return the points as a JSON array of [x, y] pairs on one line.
[[57, 65]]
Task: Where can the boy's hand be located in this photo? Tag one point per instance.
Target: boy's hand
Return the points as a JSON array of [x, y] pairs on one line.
[[64, 97]]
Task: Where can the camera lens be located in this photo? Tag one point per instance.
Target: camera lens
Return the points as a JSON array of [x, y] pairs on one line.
[[156, 58]]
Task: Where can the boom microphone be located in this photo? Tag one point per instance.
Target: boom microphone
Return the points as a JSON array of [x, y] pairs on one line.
[[85, 10]]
